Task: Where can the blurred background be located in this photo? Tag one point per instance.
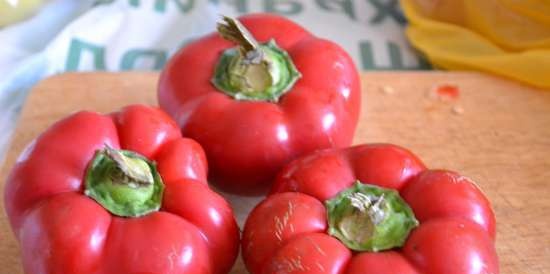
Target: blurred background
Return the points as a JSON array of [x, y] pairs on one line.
[[39, 38]]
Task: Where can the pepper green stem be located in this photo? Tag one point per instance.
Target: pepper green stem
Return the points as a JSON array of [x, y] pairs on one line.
[[252, 71], [124, 182], [370, 218]]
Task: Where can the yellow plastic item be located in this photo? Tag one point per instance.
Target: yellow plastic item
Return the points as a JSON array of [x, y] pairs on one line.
[[505, 37], [12, 11]]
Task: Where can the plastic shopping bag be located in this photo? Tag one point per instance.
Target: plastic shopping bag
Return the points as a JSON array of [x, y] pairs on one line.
[[510, 38]]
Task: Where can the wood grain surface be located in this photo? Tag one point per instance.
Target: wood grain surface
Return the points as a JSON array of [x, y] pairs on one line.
[[497, 132]]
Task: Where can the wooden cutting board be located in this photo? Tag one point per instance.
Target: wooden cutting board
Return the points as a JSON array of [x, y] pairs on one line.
[[497, 132]]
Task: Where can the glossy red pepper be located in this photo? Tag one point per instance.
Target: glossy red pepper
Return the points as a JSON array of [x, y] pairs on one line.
[[400, 218], [79, 204], [257, 106]]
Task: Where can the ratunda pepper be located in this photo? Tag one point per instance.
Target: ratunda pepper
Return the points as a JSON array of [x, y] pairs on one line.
[[258, 94], [370, 209], [118, 193]]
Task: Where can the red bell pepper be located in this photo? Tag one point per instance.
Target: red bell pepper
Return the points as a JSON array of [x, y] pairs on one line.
[[258, 105], [78, 203], [370, 209]]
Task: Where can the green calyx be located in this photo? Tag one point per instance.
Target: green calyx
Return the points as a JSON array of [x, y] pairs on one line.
[[370, 218], [124, 182], [252, 71]]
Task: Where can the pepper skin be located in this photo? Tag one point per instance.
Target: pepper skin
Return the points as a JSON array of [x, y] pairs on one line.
[[61, 230], [248, 141], [289, 231]]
